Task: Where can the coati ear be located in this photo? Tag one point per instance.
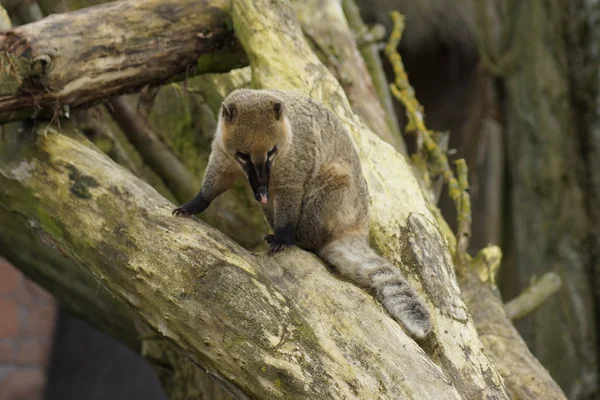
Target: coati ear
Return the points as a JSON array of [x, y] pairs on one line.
[[278, 108], [229, 112]]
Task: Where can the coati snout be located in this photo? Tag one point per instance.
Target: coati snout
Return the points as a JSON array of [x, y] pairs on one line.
[[258, 176]]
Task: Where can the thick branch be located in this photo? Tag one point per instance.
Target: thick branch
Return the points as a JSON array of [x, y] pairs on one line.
[[551, 227], [324, 23], [80, 57], [525, 377], [281, 327], [374, 64]]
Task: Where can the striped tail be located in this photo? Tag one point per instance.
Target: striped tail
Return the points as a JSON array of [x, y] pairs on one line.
[[356, 260]]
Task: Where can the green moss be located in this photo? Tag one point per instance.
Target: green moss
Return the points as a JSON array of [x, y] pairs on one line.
[[104, 144], [172, 118], [213, 62], [47, 224], [14, 71]]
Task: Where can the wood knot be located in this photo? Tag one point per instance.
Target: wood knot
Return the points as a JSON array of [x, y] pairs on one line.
[[41, 64]]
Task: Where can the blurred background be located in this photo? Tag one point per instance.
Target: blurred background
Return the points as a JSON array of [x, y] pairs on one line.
[[514, 86]]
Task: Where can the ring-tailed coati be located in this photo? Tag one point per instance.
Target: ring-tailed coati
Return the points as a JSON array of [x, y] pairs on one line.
[[304, 169]]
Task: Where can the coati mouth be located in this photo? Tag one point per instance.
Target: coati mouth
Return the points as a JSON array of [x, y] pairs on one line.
[[262, 195]]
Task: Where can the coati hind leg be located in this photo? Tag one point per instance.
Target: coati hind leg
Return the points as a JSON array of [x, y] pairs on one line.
[[330, 205]]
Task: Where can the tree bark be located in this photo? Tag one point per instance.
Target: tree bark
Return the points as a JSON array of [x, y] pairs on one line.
[[584, 55], [525, 377], [187, 280], [332, 39], [80, 57], [551, 223]]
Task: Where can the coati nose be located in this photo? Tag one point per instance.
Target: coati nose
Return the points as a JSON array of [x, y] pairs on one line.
[[262, 195]]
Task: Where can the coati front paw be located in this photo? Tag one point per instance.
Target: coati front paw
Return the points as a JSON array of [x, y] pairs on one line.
[[186, 209], [181, 211], [194, 206], [275, 246]]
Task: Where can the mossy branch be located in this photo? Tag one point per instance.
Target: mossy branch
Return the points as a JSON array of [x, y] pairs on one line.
[[334, 42], [458, 188], [77, 58], [267, 327], [524, 375]]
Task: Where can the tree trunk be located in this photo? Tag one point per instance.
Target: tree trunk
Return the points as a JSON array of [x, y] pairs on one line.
[[585, 75], [550, 220]]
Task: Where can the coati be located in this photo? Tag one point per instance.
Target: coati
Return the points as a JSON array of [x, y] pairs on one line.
[[304, 169]]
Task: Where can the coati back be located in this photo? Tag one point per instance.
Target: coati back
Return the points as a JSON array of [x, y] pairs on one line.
[[304, 169]]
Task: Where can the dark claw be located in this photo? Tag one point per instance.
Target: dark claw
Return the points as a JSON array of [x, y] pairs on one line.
[[180, 211], [277, 247], [194, 206]]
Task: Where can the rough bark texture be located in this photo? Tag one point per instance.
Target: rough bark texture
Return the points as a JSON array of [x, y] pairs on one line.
[[585, 74], [471, 371], [83, 56], [279, 327], [370, 54], [551, 224], [525, 377], [325, 25]]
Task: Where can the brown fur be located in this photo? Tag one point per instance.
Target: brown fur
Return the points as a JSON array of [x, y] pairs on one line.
[[318, 197]]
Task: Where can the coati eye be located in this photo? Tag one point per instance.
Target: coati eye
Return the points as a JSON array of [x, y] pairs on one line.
[[271, 153], [243, 157]]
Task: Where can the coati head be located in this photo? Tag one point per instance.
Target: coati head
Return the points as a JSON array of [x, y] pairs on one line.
[[254, 130]]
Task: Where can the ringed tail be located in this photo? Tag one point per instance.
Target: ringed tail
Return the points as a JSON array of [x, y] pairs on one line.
[[356, 260]]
